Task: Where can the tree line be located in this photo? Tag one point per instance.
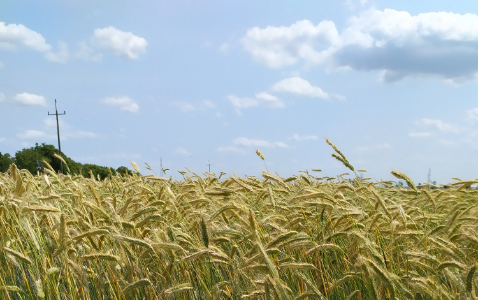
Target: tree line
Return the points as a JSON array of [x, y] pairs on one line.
[[32, 159]]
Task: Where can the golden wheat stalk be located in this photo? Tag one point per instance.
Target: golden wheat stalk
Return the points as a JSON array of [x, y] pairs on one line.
[[133, 286], [405, 177], [259, 153]]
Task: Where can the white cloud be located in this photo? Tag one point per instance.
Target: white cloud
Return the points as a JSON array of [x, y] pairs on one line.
[[260, 98], [440, 125], [61, 56], [13, 36], [243, 141], [119, 42], [293, 85], [284, 46], [238, 102], [299, 138], [393, 42], [30, 99], [184, 106], [31, 134], [87, 53], [124, 103], [299, 86], [270, 99], [419, 134]]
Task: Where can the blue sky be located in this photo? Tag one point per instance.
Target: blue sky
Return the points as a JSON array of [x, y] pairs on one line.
[[392, 83]]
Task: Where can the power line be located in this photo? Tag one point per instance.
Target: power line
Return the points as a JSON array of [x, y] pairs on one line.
[[58, 132]]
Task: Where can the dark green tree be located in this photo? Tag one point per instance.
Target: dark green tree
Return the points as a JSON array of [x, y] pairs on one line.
[[28, 159], [5, 161], [124, 171], [102, 172], [32, 160]]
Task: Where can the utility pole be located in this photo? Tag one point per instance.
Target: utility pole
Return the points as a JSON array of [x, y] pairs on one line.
[[161, 165], [209, 165], [58, 132]]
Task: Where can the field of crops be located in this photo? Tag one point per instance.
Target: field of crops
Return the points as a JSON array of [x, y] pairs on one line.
[[210, 237]]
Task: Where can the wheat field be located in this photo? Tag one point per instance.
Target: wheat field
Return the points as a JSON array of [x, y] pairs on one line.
[[210, 237]]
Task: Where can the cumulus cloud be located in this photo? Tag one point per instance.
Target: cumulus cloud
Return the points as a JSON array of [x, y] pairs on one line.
[[242, 102], [260, 98], [31, 134], [299, 86], [270, 99], [13, 36], [87, 53], [393, 42], [300, 138], [124, 103], [30, 99], [61, 56], [284, 46], [463, 133], [293, 85], [119, 42]]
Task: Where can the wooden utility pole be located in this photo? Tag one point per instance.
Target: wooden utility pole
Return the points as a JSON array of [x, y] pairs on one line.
[[58, 132]]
